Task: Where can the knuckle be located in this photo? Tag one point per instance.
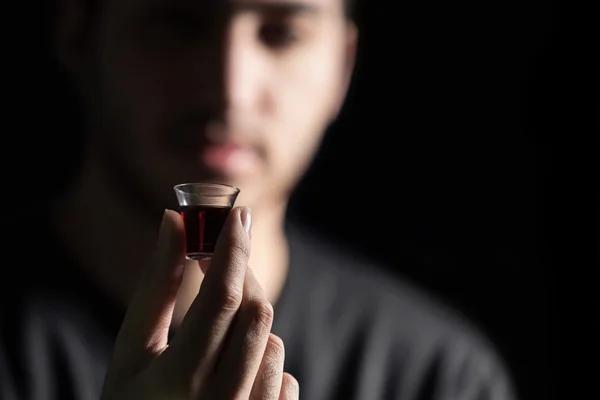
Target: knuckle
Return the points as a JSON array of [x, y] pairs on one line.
[[261, 312], [229, 298], [232, 238], [271, 379], [276, 348], [232, 248], [290, 386], [240, 251]]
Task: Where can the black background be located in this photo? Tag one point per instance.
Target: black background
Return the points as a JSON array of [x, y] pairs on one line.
[[437, 167], [441, 167]]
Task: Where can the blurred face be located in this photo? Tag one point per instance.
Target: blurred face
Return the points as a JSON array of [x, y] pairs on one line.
[[238, 92]]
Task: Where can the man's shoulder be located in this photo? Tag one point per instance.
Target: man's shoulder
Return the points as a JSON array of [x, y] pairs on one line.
[[44, 315], [361, 283], [403, 327], [48, 338]]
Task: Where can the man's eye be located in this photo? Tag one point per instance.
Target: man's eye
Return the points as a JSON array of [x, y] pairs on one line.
[[278, 35]]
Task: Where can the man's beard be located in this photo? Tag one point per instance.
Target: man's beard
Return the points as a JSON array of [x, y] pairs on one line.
[[131, 188], [108, 125], [129, 182]]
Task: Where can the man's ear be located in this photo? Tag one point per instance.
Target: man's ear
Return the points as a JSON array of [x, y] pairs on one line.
[[72, 35], [350, 54]]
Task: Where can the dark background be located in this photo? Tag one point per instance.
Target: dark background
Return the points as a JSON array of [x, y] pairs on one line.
[[441, 167], [438, 167]]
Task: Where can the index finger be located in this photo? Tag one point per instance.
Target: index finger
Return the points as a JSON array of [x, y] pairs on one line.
[[199, 339]]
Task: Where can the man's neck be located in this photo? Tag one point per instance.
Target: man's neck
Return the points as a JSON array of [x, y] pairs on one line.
[[111, 244]]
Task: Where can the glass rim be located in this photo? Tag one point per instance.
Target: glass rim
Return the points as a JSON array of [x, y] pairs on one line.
[[214, 185]]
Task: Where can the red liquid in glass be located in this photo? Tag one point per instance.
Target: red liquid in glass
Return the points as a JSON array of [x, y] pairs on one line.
[[203, 224]]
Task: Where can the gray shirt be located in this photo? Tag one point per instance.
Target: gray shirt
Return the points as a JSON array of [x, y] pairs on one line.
[[351, 331]]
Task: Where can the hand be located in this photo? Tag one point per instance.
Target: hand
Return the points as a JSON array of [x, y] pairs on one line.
[[223, 348]]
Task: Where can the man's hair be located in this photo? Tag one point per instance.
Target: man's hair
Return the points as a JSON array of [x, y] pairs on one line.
[[349, 7]]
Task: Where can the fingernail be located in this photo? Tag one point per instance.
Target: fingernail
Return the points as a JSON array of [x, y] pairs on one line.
[[163, 234], [246, 219]]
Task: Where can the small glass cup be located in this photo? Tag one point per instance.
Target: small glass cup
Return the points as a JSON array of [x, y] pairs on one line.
[[204, 208]]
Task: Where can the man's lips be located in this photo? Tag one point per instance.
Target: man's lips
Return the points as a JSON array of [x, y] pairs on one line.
[[228, 159]]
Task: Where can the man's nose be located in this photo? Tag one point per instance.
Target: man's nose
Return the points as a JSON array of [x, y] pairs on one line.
[[243, 68], [230, 71]]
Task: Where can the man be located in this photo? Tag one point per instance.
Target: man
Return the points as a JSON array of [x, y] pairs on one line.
[[237, 92]]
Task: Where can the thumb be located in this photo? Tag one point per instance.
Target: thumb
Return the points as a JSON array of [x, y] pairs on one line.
[[144, 332]]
